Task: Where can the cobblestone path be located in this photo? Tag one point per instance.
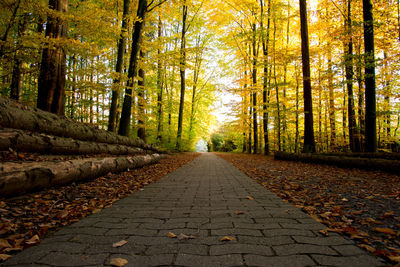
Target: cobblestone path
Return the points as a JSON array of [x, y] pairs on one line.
[[207, 199]]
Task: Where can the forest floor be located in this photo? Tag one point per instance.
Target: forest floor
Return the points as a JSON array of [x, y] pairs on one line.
[[26, 219], [363, 205]]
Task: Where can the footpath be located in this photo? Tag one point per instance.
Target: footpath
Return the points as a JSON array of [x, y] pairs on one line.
[[206, 213]]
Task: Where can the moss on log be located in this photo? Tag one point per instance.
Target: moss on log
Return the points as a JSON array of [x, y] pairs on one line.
[[20, 178], [17, 116], [386, 165], [26, 141]]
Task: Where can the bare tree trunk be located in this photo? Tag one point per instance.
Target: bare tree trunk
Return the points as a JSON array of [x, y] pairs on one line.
[[115, 95], [159, 86], [182, 74], [254, 94], [124, 124], [370, 90], [309, 142], [51, 91], [141, 100]]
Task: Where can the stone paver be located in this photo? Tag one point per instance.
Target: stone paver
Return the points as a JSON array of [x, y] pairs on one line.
[[208, 199]]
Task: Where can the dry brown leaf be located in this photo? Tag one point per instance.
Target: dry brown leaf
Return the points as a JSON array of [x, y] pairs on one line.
[[118, 262], [239, 212], [368, 248], [4, 257], [324, 232], [371, 220], [119, 244], [4, 244], [250, 197], [395, 258], [33, 240], [183, 236], [387, 231], [388, 214], [226, 238], [171, 234]]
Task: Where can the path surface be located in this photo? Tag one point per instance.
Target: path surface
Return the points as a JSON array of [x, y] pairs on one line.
[[204, 199]]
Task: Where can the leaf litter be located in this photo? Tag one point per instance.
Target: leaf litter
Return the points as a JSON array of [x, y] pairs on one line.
[[24, 220], [362, 205]]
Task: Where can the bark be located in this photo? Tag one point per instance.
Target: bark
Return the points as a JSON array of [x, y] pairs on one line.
[[141, 101], [266, 90], [25, 141], [332, 117], [125, 121], [20, 178], [353, 135], [309, 142], [370, 90], [17, 116], [392, 166], [254, 94], [51, 82], [182, 69], [159, 85], [112, 119], [16, 81], [278, 110]]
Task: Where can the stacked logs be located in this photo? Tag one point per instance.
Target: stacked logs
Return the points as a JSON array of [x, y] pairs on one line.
[[27, 129]]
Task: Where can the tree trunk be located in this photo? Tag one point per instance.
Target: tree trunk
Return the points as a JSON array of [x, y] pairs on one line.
[[17, 116], [51, 91], [309, 142], [115, 95], [16, 81], [353, 135], [20, 178], [124, 124], [254, 94], [159, 85], [141, 100], [182, 70], [370, 90]]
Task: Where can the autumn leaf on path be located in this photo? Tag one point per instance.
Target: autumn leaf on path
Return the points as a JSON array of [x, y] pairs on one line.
[[119, 262], [226, 238], [4, 257], [239, 212], [119, 244], [368, 248], [4, 244], [387, 231], [183, 236], [34, 240], [250, 197], [324, 232], [171, 235]]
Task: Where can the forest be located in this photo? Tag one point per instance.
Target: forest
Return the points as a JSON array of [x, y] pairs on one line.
[[312, 77]]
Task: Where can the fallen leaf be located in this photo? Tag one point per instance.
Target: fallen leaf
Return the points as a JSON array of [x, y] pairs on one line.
[[4, 257], [371, 220], [324, 232], [239, 212], [368, 248], [4, 244], [119, 244], [33, 240], [250, 197], [345, 199], [226, 238], [119, 262], [385, 231], [388, 214], [395, 258], [183, 236], [172, 235]]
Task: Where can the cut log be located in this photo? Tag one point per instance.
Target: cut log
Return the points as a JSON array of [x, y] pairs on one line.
[[20, 178], [25, 141], [17, 116], [392, 166]]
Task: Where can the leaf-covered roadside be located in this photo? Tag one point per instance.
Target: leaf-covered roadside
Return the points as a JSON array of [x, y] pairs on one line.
[[363, 205], [25, 220]]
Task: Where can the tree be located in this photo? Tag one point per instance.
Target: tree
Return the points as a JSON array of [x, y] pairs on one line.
[[309, 142], [51, 91], [370, 90], [115, 95], [182, 69]]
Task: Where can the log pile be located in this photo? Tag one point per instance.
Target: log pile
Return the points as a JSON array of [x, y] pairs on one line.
[[26, 129], [366, 161]]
